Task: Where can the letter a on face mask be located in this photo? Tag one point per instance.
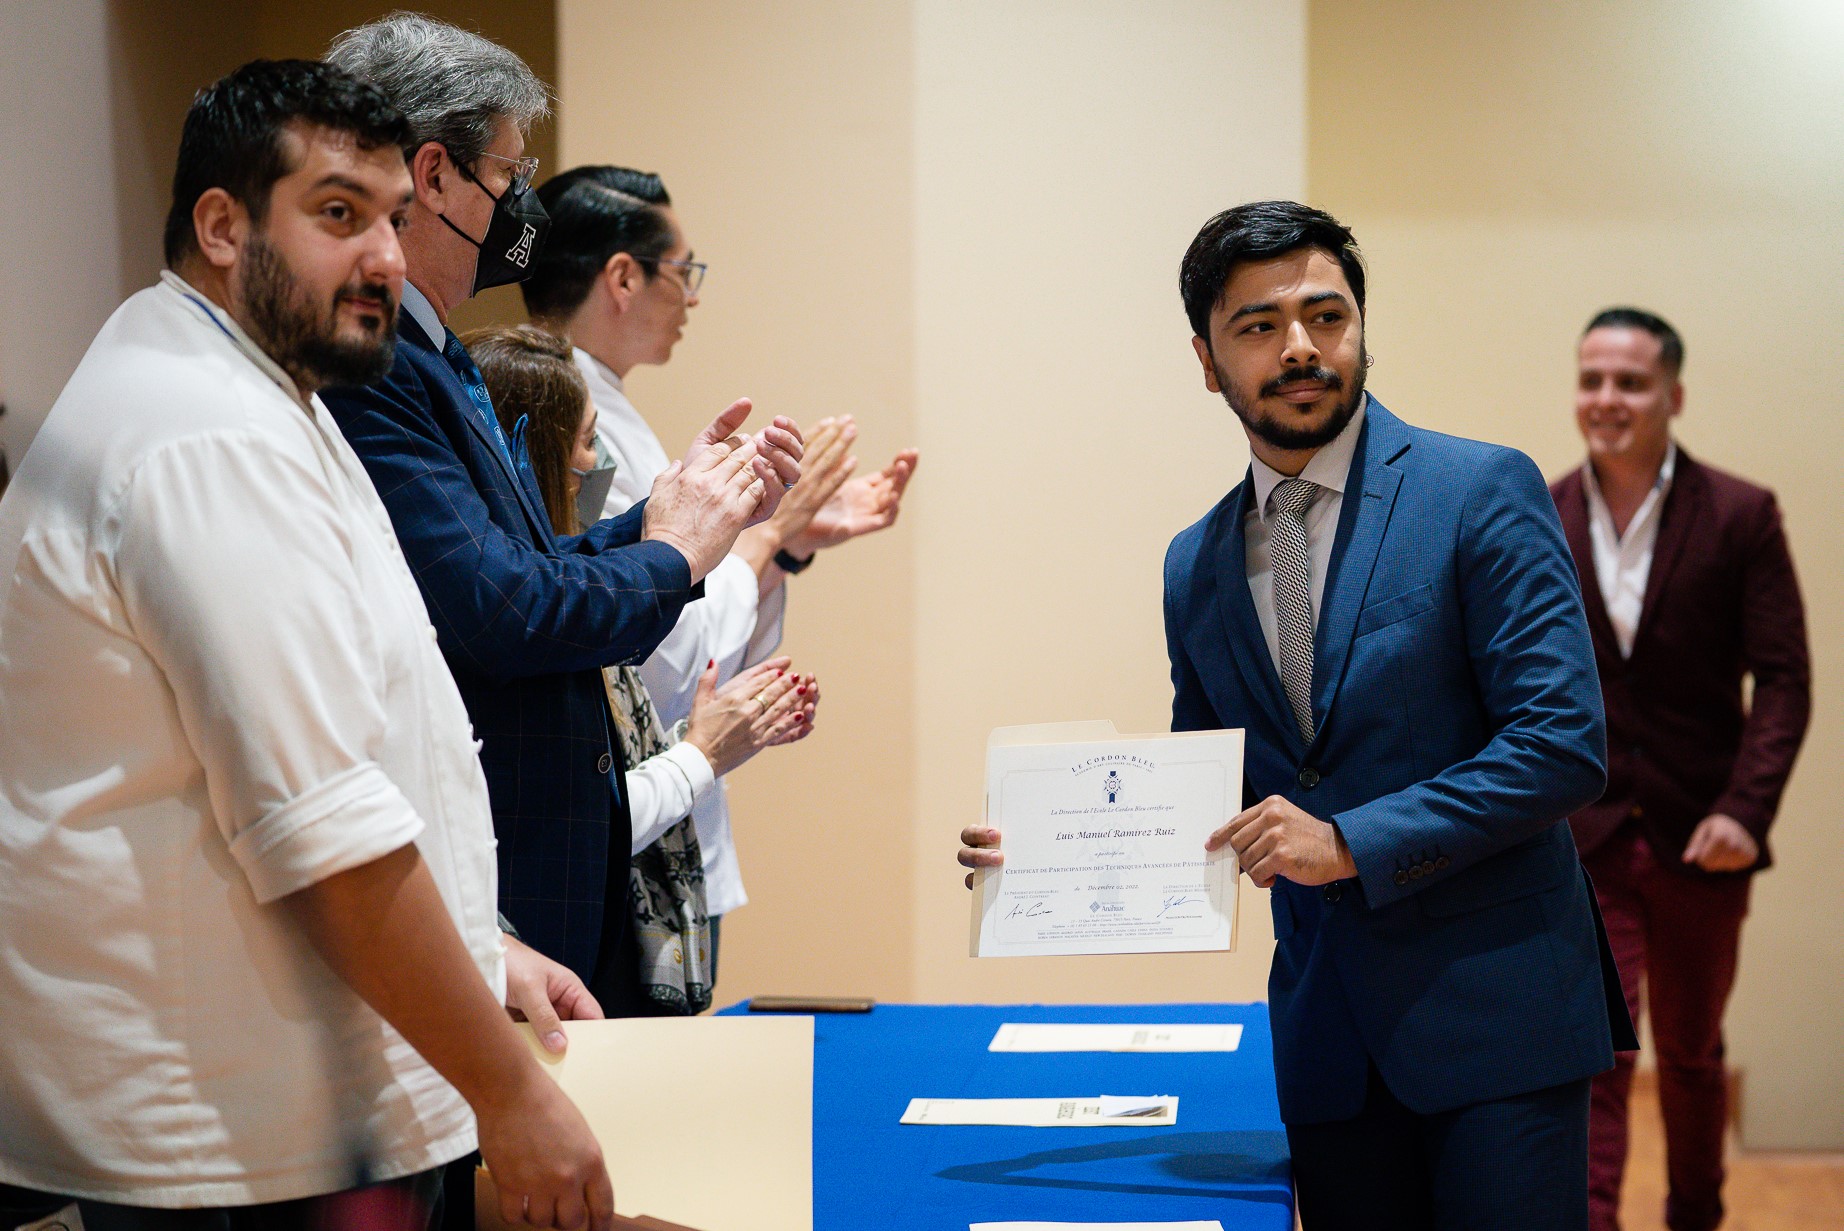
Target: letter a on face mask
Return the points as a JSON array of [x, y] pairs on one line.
[[520, 253], [513, 240]]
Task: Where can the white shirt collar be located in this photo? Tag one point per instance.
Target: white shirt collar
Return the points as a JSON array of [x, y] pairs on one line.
[[601, 369], [1329, 468], [232, 330], [423, 313], [1667, 471]]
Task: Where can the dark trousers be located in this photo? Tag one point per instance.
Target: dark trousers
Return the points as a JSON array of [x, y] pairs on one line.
[[457, 1212], [1680, 935], [1518, 1162], [412, 1203]]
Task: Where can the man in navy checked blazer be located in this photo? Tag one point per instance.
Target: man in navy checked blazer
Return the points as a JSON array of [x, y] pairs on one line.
[[526, 619], [1392, 616]]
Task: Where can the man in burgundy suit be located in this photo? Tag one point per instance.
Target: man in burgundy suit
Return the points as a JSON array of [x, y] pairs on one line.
[[1689, 587]]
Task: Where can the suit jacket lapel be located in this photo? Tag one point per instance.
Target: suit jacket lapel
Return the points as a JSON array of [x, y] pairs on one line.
[[1683, 503], [1363, 516], [1573, 509], [1241, 626], [540, 521], [528, 501]]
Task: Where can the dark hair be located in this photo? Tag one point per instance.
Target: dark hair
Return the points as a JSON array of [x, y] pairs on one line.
[[1670, 346], [1259, 231], [531, 374], [646, 185], [233, 134], [596, 212]]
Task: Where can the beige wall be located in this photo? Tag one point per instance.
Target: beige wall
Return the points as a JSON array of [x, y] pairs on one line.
[[89, 91], [55, 290], [1066, 154], [784, 135], [96, 92], [1512, 168], [962, 222]]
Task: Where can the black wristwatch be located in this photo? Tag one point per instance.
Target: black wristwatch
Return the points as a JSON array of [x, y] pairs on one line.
[[788, 564]]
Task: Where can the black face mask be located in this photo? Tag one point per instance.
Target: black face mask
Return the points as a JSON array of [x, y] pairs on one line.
[[513, 239]]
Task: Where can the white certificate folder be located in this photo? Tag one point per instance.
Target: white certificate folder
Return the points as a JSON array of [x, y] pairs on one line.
[[1103, 836]]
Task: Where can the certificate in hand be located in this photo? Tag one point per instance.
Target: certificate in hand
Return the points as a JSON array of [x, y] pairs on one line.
[[1104, 842]]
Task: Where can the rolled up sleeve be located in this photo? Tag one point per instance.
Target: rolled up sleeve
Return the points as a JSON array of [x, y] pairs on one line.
[[236, 566], [345, 822]]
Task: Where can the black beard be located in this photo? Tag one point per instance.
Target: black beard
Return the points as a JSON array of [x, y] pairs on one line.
[[304, 341], [1285, 435]]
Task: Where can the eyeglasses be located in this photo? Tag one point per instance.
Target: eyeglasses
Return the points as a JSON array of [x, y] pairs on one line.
[[693, 273], [524, 170]]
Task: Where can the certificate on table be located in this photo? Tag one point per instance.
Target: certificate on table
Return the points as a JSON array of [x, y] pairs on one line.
[[1211, 1225], [1114, 1037], [1104, 842], [1130, 1111]]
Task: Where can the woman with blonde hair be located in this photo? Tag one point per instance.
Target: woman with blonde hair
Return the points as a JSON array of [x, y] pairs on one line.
[[544, 409]]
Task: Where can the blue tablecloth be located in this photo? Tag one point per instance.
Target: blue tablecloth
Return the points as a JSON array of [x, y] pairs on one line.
[[1226, 1158]]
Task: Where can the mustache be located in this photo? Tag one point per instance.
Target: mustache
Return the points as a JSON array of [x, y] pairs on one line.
[[369, 290], [1332, 381]]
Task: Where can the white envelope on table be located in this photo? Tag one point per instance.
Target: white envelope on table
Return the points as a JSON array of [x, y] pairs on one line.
[[1211, 1225], [1122, 1111], [1116, 1037]]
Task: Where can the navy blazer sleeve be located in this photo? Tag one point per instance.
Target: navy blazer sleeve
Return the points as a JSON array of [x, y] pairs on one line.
[[499, 604], [1533, 666], [1191, 708]]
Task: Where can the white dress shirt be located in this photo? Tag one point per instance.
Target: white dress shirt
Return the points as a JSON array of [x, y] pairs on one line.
[[1330, 469], [218, 686], [423, 313], [730, 624], [1623, 562]]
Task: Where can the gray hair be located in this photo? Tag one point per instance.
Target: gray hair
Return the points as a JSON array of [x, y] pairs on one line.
[[456, 88]]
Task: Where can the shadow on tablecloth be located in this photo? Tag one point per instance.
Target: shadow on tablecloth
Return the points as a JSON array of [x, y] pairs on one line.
[[1250, 1165]]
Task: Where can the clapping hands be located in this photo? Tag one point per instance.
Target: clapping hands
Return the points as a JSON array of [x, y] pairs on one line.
[[725, 483], [829, 507]]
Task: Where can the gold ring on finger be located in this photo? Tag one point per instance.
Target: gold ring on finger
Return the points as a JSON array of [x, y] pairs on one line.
[[759, 701]]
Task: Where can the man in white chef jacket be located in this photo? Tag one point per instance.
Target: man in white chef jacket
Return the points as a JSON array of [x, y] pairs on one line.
[[251, 965]]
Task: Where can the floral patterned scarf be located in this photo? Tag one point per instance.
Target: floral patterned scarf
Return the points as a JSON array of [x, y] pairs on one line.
[[665, 881]]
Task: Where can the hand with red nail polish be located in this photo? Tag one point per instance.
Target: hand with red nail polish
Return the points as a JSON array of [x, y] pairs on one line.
[[763, 706]]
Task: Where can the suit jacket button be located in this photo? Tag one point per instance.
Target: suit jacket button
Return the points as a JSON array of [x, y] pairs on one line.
[[1427, 865], [1416, 873], [1308, 777], [1333, 892], [1638, 812], [1441, 863], [604, 763], [1402, 878]]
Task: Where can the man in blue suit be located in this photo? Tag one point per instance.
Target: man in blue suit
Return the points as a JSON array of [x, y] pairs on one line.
[[526, 619], [1393, 617]]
